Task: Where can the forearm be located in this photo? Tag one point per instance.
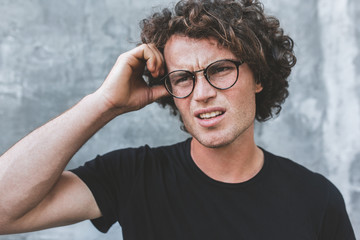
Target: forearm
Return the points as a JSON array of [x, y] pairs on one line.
[[30, 171], [31, 167]]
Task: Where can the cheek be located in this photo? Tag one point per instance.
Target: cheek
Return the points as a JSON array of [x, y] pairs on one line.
[[242, 100], [182, 105], [177, 103]]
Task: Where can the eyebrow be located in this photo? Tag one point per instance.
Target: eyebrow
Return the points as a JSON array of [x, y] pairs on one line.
[[188, 69], [180, 72]]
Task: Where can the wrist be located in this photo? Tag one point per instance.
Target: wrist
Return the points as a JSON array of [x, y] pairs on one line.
[[101, 107]]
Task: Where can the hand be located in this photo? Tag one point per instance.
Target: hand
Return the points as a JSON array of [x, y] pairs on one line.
[[124, 89]]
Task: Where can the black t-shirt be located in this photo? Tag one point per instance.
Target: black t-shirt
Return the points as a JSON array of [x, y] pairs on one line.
[[160, 193]]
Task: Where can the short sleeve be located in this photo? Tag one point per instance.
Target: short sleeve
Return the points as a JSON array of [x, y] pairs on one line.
[[336, 223], [110, 178]]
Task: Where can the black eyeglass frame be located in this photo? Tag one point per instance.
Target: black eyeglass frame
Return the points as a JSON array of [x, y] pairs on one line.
[[193, 74]]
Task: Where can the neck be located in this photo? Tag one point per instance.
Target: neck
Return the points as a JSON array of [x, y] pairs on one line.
[[236, 162]]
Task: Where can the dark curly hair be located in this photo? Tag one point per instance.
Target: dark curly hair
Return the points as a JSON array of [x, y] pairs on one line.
[[242, 27]]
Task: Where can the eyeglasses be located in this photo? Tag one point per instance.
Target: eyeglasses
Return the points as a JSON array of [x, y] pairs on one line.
[[221, 74]]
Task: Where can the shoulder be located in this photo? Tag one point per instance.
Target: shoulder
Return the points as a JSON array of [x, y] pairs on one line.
[[314, 194], [300, 177], [146, 153], [130, 161], [290, 168], [146, 150]]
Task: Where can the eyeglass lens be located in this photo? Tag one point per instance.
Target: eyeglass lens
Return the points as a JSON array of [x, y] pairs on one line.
[[220, 74]]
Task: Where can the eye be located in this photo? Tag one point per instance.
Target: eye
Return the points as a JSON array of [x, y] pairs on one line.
[[181, 79], [221, 68]]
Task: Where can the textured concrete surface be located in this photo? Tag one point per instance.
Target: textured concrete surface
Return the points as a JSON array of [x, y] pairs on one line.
[[52, 53]]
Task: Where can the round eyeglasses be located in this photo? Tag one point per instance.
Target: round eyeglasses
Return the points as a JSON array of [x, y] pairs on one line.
[[221, 74]]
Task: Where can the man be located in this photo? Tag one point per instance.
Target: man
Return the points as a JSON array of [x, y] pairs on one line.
[[220, 64]]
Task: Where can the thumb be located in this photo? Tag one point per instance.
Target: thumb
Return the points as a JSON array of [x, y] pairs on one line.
[[158, 92]]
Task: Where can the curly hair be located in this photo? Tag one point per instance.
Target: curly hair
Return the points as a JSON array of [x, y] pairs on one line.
[[242, 27]]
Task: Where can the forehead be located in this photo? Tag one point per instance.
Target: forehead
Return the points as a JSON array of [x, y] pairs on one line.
[[182, 52]]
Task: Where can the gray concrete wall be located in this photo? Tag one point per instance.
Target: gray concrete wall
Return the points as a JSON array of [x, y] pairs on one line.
[[52, 53]]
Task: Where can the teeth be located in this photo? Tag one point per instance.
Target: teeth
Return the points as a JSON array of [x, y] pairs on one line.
[[210, 115]]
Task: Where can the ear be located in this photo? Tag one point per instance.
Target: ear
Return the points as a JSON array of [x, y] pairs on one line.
[[258, 87]]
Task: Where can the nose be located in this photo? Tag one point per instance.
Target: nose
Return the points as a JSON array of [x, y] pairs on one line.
[[203, 91]]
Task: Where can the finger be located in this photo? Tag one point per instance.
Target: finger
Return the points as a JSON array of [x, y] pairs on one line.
[[152, 56], [144, 53], [160, 63], [154, 62]]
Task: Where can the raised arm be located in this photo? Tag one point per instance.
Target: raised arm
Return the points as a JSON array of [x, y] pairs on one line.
[[35, 193]]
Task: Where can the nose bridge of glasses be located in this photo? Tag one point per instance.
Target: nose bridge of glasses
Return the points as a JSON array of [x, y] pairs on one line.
[[202, 83], [197, 73]]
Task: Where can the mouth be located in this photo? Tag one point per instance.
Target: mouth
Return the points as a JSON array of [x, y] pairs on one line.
[[209, 115]]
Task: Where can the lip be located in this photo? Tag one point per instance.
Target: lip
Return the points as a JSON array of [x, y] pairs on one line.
[[212, 122]]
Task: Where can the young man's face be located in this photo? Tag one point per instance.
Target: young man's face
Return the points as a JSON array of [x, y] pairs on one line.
[[234, 108]]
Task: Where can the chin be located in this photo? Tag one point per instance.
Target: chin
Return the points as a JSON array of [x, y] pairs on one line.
[[220, 138], [215, 141]]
